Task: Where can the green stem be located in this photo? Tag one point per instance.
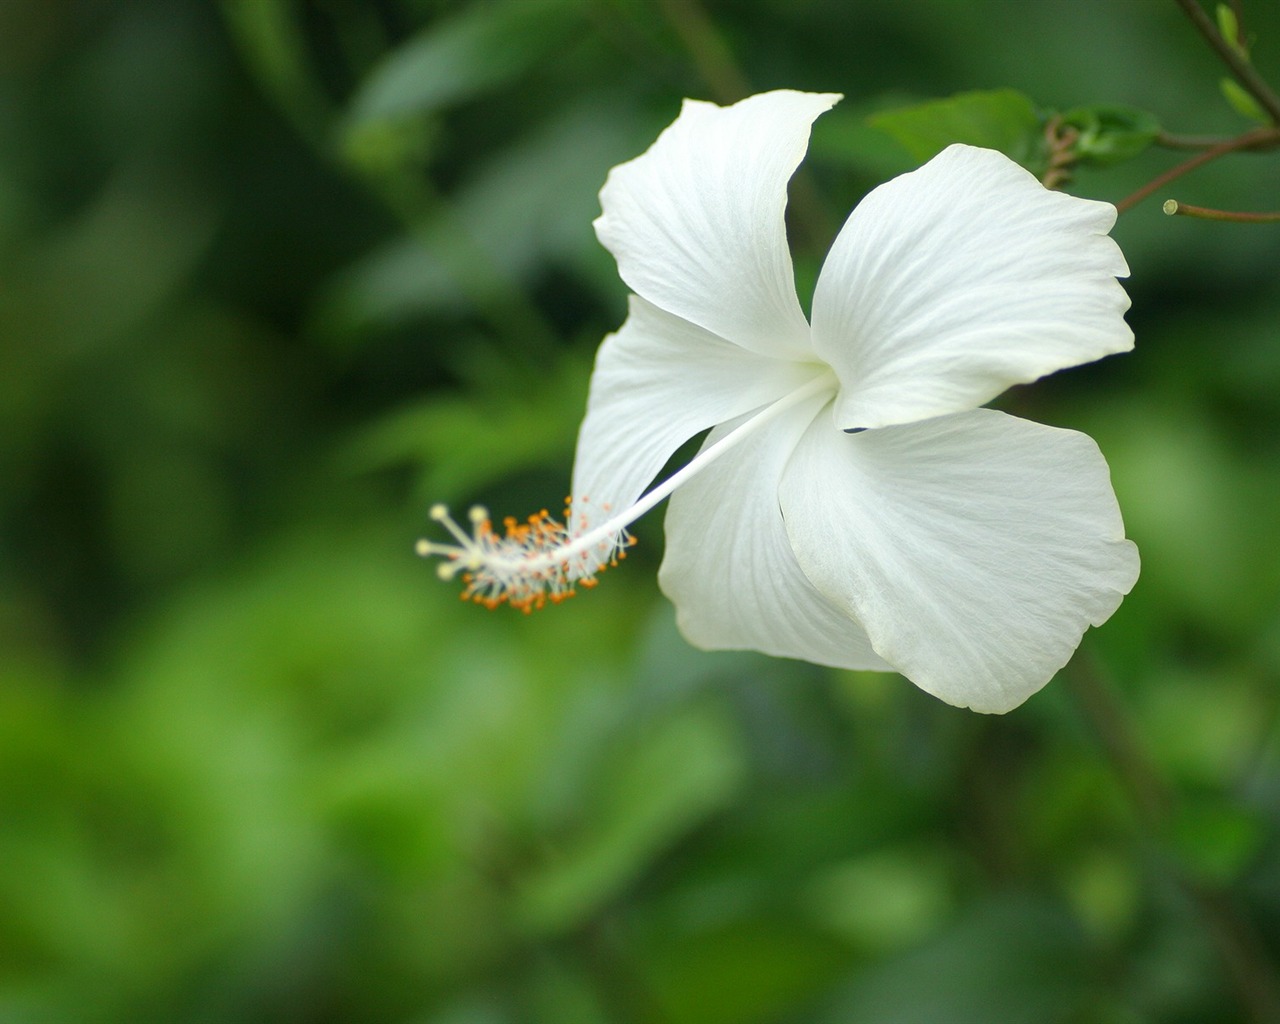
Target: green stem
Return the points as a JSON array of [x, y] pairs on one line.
[[1244, 72]]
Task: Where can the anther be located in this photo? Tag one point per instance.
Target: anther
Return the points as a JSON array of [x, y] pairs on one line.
[[528, 564]]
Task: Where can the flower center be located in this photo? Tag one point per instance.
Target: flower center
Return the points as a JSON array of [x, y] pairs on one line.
[[541, 559]]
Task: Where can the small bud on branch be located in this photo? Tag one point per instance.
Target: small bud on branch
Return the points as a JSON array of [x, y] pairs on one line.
[[1173, 207]]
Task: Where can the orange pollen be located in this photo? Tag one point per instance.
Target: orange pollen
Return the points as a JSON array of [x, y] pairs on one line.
[[529, 563]]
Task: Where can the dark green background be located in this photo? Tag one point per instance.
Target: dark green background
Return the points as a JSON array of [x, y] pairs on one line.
[[275, 275]]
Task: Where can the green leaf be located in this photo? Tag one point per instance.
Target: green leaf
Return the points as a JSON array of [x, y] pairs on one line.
[[470, 440], [847, 138], [1017, 960], [1110, 133], [1215, 840], [884, 900], [743, 967], [1242, 102], [1229, 28], [1002, 119], [531, 203], [484, 47], [274, 47], [643, 807]]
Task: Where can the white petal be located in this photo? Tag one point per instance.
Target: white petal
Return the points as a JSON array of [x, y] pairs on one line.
[[729, 568], [975, 549], [696, 222], [950, 283], [657, 382]]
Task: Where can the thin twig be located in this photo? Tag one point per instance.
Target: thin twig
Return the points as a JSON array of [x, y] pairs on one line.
[[1172, 207], [1244, 72], [1172, 140], [1249, 140]]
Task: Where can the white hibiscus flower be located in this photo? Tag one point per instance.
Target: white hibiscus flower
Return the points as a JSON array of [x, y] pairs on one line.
[[852, 505]]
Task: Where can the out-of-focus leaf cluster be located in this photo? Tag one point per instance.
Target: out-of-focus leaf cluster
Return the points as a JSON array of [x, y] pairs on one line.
[[1007, 121], [277, 274]]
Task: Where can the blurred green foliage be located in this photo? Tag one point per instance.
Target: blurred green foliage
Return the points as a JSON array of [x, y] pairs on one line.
[[276, 274]]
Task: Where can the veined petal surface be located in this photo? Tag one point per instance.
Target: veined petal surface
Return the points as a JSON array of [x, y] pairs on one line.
[[658, 381], [975, 549], [729, 568], [696, 222], [950, 283]]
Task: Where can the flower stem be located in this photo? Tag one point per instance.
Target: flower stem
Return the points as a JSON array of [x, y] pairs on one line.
[[1249, 140], [1244, 72], [1172, 207]]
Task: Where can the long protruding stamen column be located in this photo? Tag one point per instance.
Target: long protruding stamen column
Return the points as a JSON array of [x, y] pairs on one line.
[[701, 461], [537, 560]]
